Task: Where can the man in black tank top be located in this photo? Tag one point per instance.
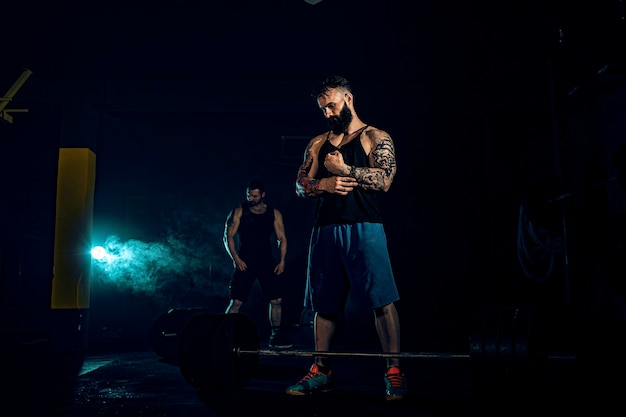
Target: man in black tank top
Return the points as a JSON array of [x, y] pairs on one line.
[[344, 170], [252, 232]]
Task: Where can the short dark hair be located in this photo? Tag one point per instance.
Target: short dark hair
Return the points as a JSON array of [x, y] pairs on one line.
[[256, 185], [332, 81]]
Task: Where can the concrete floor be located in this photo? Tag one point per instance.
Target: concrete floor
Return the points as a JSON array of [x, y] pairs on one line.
[[136, 381]]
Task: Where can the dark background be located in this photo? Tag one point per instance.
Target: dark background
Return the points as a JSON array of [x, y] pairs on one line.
[[506, 120]]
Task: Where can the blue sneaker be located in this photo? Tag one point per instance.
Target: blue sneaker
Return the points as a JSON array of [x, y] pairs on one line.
[[395, 384], [314, 381]]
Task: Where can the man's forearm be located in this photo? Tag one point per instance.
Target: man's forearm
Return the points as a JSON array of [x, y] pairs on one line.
[[368, 178], [308, 187]]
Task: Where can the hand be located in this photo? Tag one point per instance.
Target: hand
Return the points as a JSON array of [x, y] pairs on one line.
[[240, 264], [334, 163], [280, 268], [340, 185]]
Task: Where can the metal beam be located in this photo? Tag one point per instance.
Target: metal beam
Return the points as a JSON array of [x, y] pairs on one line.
[[4, 101]]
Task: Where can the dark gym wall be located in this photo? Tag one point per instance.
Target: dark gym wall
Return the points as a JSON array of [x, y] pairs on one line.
[[483, 100]]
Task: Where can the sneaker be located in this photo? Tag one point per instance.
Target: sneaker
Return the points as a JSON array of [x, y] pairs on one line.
[[314, 381], [278, 341], [395, 384]]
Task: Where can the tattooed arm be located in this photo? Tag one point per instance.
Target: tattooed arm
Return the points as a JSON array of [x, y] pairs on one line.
[[308, 186], [382, 160]]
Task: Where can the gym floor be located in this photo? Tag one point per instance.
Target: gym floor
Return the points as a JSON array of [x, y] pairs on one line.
[[139, 382]]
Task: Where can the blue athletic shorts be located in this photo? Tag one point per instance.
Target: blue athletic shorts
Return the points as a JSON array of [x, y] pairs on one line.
[[349, 258]]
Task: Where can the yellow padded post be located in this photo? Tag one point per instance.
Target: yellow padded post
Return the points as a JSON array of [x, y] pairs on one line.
[[73, 229]]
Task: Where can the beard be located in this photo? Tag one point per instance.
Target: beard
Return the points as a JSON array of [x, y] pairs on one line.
[[339, 124], [253, 203]]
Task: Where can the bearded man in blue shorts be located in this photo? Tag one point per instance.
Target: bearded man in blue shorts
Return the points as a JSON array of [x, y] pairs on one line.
[[344, 170]]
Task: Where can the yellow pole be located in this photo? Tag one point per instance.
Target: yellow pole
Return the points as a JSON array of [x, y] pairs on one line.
[[72, 243]]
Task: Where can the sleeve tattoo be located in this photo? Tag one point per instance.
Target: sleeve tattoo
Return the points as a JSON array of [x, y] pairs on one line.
[[383, 170], [306, 186]]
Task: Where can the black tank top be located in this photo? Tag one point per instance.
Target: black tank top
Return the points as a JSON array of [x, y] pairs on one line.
[[359, 205], [255, 234]]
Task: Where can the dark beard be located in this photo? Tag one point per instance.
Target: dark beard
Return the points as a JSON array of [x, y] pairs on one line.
[[339, 124], [252, 203]]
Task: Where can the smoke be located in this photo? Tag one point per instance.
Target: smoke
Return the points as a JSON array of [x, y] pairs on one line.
[[166, 269], [171, 254]]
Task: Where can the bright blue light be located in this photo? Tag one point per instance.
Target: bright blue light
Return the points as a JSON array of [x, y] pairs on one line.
[[98, 253]]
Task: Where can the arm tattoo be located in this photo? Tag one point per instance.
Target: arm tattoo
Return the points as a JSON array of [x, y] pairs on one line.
[[306, 186], [381, 174]]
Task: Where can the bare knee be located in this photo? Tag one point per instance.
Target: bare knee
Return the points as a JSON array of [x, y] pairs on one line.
[[234, 306]]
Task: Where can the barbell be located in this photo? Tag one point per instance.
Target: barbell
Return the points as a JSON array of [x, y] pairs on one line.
[[310, 353], [221, 351]]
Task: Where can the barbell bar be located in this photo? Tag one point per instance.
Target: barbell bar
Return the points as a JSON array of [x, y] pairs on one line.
[[443, 356], [221, 351], [305, 353]]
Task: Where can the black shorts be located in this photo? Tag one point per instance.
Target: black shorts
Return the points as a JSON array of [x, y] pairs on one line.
[[241, 282]]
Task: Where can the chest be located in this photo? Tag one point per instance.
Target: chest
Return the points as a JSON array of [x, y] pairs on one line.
[[257, 222]]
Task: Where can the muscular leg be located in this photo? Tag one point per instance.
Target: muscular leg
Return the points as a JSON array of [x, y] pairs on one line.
[[324, 328], [234, 306], [388, 330], [275, 312]]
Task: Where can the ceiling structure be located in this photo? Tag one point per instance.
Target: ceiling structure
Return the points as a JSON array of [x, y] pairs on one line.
[[425, 42], [201, 38]]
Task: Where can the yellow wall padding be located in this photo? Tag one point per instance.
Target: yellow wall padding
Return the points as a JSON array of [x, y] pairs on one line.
[[74, 222]]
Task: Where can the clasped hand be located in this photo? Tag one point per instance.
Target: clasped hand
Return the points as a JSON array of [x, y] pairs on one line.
[[339, 184]]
